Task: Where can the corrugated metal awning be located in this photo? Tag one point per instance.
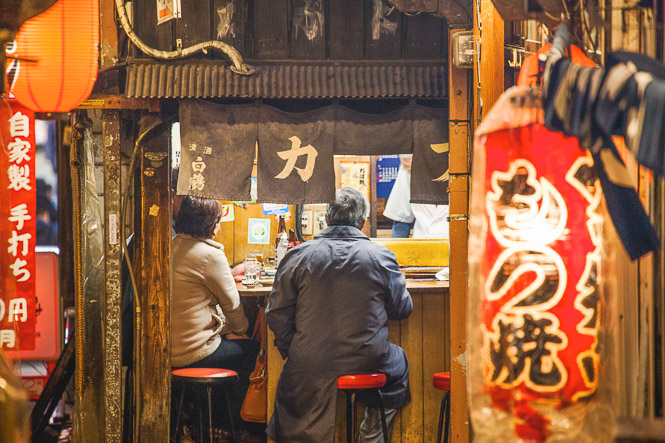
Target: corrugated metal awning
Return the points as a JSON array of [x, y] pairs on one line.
[[205, 78]]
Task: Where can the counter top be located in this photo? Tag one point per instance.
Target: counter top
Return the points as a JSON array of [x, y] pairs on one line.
[[414, 287]]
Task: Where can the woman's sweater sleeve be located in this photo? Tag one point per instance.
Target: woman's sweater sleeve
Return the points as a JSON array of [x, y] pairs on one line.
[[220, 282]]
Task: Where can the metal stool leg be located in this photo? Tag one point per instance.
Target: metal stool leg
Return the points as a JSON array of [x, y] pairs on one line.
[[228, 407], [199, 408], [208, 391], [127, 413], [179, 411], [354, 417], [349, 413], [445, 434], [383, 416], [441, 413]]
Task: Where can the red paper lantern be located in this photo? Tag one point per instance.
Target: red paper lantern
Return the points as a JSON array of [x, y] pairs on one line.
[[533, 66], [536, 260], [63, 42]]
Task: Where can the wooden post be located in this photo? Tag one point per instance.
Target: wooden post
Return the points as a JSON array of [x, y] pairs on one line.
[[458, 102], [372, 193], [65, 219], [108, 47], [112, 370], [152, 265], [88, 422], [489, 73]]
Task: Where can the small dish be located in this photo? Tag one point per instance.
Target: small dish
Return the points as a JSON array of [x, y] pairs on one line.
[[251, 284]]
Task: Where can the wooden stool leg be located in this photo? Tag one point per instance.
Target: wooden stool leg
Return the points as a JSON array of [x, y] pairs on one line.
[[445, 434], [383, 416], [228, 407], [349, 427], [208, 391], [179, 411]]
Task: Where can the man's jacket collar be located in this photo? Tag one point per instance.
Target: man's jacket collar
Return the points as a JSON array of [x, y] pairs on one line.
[[342, 232]]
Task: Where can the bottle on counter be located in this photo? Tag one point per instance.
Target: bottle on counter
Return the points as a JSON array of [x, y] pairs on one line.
[[281, 241], [292, 238]]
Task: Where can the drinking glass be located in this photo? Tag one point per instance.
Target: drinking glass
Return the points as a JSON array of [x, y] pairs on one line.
[[252, 270], [258, 255]]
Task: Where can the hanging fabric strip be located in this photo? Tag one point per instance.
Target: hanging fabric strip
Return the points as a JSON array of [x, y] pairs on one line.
[[295, 161], [218, 144], [359, 133], [429, 173]]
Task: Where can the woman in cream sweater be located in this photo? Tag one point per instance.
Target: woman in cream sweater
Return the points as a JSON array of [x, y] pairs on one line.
[[209, 327]]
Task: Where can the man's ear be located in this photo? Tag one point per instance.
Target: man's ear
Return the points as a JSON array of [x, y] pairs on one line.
[[363, 225]]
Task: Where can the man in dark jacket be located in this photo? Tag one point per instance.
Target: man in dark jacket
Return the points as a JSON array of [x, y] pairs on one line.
[[329, 308]]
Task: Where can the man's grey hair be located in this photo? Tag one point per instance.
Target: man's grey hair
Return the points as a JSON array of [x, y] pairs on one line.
[[350, 208]]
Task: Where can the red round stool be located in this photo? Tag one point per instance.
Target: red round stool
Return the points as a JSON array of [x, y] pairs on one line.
[[442, 383], [204, 379], [359, 382]]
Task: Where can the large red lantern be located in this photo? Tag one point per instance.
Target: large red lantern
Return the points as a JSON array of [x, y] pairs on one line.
[[57, 54], [535, 257]]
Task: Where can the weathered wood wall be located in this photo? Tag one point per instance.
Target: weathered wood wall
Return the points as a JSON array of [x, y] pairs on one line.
[[284, 29], [639, 331], [233, 234], [152, 267]]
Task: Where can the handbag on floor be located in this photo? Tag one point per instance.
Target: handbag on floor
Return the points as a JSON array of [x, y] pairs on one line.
[[254, 407]]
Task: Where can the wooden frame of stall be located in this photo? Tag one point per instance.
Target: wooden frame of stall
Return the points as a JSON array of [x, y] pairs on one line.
[[423, 335], [152, 209], [630, 29]]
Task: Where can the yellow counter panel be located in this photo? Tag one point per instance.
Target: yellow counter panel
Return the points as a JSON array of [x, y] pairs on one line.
[[417, 252]]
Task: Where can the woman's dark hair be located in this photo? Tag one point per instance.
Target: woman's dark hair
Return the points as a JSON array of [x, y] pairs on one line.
[[198, 216]]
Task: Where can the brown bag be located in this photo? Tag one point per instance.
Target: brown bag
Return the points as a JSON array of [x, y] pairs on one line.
[[254, 408]]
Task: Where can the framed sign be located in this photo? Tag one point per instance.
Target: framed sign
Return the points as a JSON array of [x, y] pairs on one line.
[[168, 10]]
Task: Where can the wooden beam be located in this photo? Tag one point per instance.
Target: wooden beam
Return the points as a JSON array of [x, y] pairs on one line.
[[152, 266], [103, 101], [458, 103], [112, 369]]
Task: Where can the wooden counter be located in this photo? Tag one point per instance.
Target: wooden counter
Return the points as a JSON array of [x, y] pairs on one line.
[[424, 336], [414, 287]]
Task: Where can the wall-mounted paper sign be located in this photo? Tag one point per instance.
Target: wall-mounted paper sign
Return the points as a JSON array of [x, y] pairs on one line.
[[355, 175], [168, 10], [258, 231], [227, 213], [274, 209]]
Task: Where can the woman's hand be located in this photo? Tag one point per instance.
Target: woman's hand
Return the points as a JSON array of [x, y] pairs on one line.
[[232, 336], [238, 270]]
